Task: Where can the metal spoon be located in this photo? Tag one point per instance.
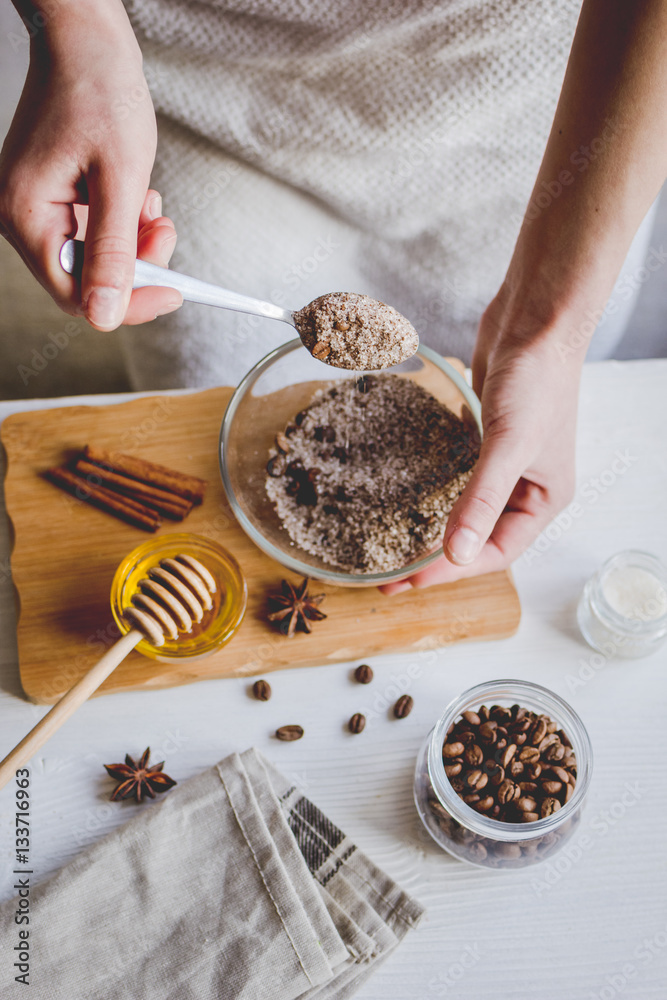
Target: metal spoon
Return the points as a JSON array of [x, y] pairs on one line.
[[343, 329], [192, 289]]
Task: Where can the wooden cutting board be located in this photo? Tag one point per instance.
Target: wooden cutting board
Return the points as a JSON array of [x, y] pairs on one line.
[[65, 554]]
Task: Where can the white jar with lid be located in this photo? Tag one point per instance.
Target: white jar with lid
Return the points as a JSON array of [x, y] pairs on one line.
[[623, 609]]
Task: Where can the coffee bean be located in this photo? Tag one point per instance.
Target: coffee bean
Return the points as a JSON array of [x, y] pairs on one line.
[[261, 690], [485, 804], [507, 755], [514, 753], [477, 851], [473, 755], [556, 773], [477, 780], [276, 466], [289, 733], [547, 741], [487, 733], [282, 444], [538, 733], [500, 714], [357, 723], [509, 851], [363, 674], [403, 707], [507, 791]]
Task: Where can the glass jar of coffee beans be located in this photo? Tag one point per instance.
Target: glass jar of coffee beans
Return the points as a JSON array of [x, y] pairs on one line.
[[501, 779]]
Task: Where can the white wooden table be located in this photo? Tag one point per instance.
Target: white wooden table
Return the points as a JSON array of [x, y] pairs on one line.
[[589, 925]]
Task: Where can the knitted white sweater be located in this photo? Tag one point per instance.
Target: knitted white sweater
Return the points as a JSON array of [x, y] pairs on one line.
[[386, 147]]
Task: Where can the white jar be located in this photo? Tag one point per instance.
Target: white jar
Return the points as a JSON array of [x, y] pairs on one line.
[[623, 608]]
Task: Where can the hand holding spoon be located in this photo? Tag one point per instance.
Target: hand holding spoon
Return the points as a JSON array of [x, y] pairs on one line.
[[343, 329]]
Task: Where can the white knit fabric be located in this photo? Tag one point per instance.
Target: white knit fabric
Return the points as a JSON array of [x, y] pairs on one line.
[[386, 147]]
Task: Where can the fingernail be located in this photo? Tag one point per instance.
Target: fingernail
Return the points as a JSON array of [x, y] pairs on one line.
[[155, 207], [463, 546], [105, 307], [169, 308]]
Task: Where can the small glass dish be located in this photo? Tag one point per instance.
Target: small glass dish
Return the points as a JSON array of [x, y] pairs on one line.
[[612, 620], [473, 837], [272, 392], [229, 602]]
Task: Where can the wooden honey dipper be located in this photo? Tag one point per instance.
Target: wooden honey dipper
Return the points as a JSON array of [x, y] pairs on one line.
[[173, 596]]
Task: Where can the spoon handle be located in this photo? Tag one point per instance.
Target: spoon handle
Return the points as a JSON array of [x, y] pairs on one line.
[[192, 289]]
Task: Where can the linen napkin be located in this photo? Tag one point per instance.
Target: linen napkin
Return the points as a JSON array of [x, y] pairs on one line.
[[234, 887]]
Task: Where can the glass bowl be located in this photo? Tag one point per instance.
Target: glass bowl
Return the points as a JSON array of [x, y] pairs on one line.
[[478, 839], [269, 396], [218, 624]]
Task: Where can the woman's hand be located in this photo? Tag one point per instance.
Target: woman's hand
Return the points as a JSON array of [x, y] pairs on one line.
[[525, 472], [84, 133], [530, 346]]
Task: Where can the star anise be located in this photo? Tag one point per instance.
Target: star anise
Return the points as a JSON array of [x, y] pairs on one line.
[[294, 608], [139, 779]]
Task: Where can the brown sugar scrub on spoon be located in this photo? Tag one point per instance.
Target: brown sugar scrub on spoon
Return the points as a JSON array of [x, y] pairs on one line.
[[347, 330]]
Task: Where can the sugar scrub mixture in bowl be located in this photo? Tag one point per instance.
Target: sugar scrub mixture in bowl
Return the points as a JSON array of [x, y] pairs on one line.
[[365, 476]]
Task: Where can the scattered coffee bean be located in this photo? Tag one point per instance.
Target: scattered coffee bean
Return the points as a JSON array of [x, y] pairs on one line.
[[363, 674], [261, 690], [289, 733], [403, 707], [357, 723]]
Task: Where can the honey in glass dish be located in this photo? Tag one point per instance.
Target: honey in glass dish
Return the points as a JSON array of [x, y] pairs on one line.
[[218, 624]]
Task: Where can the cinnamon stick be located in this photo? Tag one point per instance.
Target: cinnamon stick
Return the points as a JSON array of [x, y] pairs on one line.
[[141, 491], [130, 511], [190, 487]]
